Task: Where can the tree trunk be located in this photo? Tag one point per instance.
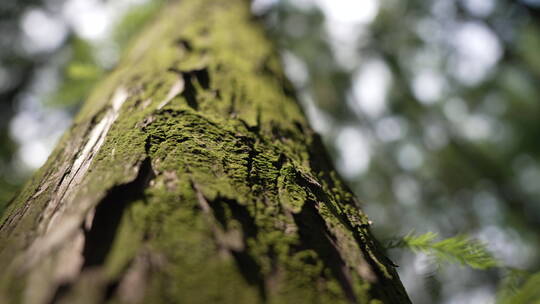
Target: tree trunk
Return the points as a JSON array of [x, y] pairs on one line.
[[191, 176]]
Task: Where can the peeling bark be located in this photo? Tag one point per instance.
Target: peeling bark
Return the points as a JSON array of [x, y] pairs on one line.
[[191, 175]]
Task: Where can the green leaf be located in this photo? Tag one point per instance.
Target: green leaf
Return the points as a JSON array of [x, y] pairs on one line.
[[80, 70]]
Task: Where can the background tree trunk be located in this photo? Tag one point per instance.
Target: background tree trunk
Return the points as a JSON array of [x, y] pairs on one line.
[[191, 175]]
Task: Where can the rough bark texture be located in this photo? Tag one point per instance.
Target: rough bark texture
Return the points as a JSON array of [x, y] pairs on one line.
[[191, 176]]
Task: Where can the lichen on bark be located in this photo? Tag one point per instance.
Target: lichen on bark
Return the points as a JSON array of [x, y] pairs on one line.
[[191, 175]]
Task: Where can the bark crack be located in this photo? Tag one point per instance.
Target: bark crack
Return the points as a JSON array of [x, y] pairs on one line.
[[74, 175], [191, 80], [100, 234], [108, 214]]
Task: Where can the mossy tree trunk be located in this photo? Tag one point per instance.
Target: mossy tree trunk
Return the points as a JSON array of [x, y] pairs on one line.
[[191, 176]]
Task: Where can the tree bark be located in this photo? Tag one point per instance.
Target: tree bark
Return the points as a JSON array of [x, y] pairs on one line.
[[191, 176]]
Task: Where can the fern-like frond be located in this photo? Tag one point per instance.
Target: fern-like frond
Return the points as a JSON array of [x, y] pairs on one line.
[[527, 292], [461, 249]]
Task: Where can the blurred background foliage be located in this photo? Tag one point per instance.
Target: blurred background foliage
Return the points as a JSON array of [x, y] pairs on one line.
[[430, 109]]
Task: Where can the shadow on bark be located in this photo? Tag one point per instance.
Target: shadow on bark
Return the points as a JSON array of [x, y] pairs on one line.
[[99, 239]]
